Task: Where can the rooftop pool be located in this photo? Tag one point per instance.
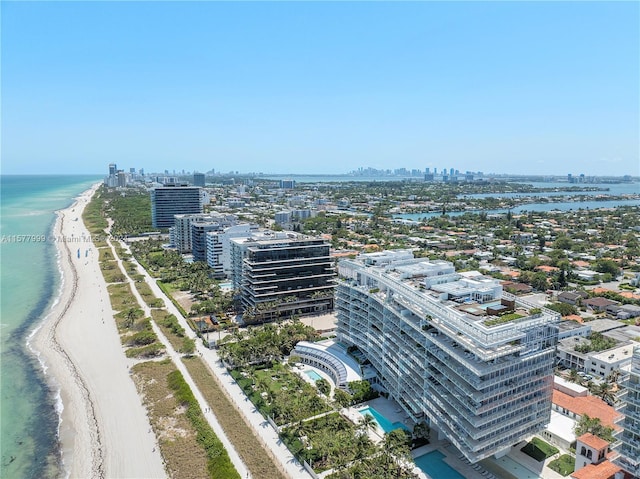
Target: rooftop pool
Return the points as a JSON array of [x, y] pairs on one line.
[[433, 465], [384, 424]]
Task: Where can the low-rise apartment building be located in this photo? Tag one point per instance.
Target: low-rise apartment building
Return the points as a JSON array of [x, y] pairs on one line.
[[596, 363]]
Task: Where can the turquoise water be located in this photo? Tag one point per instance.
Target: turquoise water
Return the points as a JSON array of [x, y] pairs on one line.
[[535, 207], [386, 425], [614, 189], [313, 375], [29, 280], [433, 465]]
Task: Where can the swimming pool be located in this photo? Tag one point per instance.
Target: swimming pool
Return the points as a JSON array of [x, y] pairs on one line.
[[433, 465], [512, 467], [383, 422], [314, 376]]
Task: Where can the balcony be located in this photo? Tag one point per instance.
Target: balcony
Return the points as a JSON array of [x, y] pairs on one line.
[[630, 465], [440, 312]]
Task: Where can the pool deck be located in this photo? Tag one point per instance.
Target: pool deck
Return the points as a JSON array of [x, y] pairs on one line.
[[302, 370], [453, 458], [529, 463], [394, 413], [450, 458]]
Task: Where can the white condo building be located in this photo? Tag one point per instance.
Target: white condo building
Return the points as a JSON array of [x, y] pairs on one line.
[[219, 247], [628, 439], [451, 348], [181, 234]]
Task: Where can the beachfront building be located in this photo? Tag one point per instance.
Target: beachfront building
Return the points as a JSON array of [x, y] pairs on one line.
[[199, 230], [628, 439], [181, 233], [219, 247], [203, 226], [280, 274], [168, 201], [451, 348]]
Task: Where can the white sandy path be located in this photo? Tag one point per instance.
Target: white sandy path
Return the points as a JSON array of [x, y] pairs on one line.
[[104, 429], [261, 427]]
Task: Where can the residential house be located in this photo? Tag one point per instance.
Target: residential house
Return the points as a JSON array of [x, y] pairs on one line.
[[576, 406], [598, 303], [572, 297]]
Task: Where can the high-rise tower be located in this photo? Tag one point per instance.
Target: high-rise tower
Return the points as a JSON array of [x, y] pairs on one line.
[[168, 201]]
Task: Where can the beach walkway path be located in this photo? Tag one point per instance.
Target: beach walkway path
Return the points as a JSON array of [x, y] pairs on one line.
[[261, 427], [176, 359]]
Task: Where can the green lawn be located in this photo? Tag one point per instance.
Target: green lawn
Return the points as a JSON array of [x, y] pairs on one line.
[[563, 465], [503, 319], [539, 450], [288, 398]]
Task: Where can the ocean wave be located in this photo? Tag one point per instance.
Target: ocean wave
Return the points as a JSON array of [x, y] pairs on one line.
[[32, 209], [54, 302], [59, 408], [55, 393]]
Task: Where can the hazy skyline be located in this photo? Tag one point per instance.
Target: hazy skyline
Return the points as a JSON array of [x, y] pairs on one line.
[[327, 87]]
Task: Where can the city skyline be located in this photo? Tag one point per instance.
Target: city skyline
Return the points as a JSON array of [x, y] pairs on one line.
[[321, 88]]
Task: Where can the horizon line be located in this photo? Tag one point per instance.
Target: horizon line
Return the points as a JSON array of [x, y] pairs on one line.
[[341, 175]]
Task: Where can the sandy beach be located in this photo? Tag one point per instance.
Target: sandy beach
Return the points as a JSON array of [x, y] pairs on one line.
[[104, 429]]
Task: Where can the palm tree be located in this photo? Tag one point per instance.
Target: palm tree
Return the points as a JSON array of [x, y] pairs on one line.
[[605, 391], [421, 431], [342, 451], [363, 446], [130, 317], [613, 376], [573, 376], [367, 423], [262, 385], [396, 449]]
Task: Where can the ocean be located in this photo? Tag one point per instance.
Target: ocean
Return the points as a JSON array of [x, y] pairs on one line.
[[29, 286]]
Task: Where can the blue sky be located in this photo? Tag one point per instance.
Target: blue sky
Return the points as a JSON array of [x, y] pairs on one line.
[[327, 87]]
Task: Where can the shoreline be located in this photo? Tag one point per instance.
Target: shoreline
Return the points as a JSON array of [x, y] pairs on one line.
[[100, 434]]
